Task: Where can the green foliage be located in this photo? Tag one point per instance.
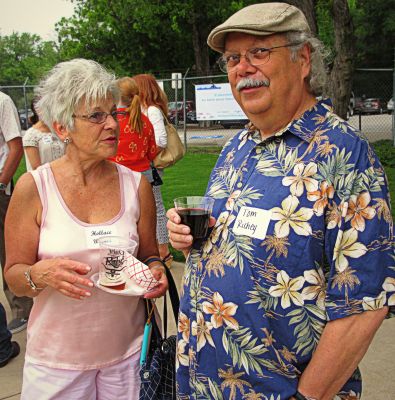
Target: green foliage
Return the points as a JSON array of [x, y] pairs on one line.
[[130, 36], [134, 36], [325, 23], [374, 23], [25, 56], [385, 152]]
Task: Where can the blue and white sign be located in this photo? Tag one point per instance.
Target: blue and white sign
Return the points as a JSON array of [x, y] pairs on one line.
[[216, 102]]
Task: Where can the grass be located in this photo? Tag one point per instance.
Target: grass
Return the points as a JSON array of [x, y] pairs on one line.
[[190, 175]]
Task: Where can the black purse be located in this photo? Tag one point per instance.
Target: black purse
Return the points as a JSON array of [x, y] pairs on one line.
[[156, 179], [158, 371]]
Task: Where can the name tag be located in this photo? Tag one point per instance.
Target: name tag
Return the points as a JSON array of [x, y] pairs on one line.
[[252, 222], [93, 234], [47, 139]]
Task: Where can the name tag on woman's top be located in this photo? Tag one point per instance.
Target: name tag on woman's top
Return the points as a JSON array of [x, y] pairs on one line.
[[95, 233], [47, 139]]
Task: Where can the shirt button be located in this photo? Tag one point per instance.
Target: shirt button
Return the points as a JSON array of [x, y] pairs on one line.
[[239, 185]]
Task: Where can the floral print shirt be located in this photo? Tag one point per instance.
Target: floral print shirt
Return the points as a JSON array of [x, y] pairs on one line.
[[304, 235]]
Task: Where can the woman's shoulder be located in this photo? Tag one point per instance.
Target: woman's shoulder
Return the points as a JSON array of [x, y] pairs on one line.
[[128, 173], [32, 135], [26, 186], [154, 110], [32, 131]]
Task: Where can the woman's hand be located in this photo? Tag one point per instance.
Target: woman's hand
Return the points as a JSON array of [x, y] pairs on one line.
[[179, 234], [64, 275], [159, 273]]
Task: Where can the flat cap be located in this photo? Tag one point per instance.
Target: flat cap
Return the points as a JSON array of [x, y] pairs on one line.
[[259, 19]]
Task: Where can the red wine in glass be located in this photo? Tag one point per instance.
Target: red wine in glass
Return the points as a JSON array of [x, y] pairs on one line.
[[197, 219]]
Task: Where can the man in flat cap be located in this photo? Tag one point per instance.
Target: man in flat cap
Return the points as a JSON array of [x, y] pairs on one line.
[[282, 298]]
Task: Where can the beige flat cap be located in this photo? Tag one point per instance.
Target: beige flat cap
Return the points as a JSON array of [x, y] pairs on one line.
[[261, 20]]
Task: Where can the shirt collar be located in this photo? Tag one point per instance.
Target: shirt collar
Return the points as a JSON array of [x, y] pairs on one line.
[[303, 127]]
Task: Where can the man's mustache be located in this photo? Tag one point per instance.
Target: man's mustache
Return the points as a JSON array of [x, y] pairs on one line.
[[251, 83]]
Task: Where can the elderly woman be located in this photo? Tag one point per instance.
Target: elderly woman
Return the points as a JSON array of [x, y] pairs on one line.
[[83, 343]]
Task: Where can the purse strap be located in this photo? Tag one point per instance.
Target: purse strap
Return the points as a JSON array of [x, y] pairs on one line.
[[167, 122], [175, 304]]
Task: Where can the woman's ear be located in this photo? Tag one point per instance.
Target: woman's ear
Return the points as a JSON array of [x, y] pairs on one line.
[[60, 130]]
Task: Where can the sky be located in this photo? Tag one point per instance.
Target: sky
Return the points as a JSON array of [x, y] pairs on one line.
[[33, 16]]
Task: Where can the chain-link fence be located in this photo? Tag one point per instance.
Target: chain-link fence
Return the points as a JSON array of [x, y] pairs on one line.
[[370, 108]]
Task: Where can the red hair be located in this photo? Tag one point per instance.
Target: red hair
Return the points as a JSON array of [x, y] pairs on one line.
[[150, 93]]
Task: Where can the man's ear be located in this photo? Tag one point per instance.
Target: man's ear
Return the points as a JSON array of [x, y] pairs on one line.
[[305, 60], [60, 130]]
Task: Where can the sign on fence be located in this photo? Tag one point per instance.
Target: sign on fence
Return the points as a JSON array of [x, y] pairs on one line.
[[176, 80], [216, 102]]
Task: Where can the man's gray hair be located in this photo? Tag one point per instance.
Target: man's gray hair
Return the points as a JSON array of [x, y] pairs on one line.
[[69, 83], [318, 73]]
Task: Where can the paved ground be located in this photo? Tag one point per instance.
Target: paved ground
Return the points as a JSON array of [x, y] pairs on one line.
[[378, 366]]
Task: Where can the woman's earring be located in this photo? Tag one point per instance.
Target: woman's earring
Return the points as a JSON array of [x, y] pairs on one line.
[[67, 140]]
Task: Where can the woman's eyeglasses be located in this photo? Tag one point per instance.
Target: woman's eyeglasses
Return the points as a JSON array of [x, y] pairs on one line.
[[99, 117]]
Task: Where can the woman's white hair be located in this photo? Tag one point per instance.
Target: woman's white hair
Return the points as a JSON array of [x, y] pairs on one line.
[[318, 73], [70, 83]]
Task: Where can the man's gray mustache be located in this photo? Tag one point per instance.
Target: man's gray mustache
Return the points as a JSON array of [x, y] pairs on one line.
[[251, 83]]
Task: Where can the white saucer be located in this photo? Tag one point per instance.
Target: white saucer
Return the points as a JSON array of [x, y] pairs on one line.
[[131, 288]]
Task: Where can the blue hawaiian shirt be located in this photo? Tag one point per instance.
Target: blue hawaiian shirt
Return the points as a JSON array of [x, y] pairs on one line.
[[304, 235]]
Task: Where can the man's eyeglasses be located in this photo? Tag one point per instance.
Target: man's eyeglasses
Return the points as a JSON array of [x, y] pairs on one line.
[[99, 117], [255, 56]]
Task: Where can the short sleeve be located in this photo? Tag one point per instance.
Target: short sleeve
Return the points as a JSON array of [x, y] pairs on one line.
[[156, 118], [9, 120], [31, 138], [359, 240]]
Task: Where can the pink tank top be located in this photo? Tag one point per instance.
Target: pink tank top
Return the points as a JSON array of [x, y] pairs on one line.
[[100, 330]]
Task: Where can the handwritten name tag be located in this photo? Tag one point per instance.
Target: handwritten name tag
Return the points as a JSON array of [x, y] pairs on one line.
[[93, 234], [47, 139], [252, 222]]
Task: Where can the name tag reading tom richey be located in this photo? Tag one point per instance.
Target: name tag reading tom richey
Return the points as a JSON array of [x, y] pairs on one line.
[[252, 222], [94, 233]]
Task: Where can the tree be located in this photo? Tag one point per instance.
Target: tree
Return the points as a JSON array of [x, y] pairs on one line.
[[133, 36], [25, 56], [375, 32], [341, 70], [331, 21]]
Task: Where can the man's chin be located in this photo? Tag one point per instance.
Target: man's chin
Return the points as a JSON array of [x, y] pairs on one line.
[[254, 108]]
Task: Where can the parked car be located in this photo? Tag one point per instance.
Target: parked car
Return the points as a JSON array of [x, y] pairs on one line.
[[373, 105], [25, 119], [233, 123], [358, 105], [177, 109], [390, 106]]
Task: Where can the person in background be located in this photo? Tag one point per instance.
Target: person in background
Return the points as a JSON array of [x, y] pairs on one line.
[[136, 147], [82, 342], [10, 155], [9, 349], [285, 294], [11, 152], [154, 106], [41, 145]]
